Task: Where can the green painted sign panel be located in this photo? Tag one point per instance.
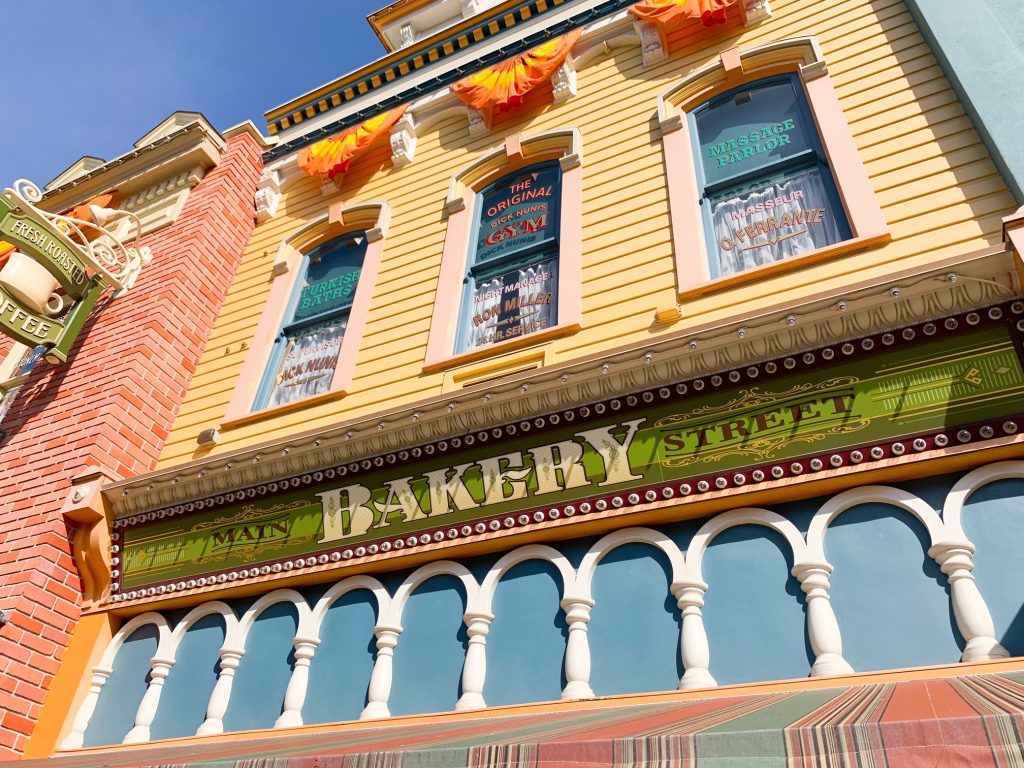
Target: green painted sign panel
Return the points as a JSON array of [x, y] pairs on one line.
[[25, 326], [40, 239], [614, 448]]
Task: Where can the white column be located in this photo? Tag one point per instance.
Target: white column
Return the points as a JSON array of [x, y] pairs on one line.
[[295, 695], [693, 640], [380, 679], [75, 739], [956, 559], [221, 695], [474, 671], [822, 627], [158, 672], [577, 649]]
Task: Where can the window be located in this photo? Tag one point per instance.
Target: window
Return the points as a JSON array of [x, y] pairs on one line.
[[511, 282], [511, 265], [767, 190], [305, 354], [763, 173]]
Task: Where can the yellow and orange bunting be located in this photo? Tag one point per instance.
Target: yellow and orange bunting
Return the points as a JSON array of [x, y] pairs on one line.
[[332, 156], [668, 14], [5, 250], [502, 87]]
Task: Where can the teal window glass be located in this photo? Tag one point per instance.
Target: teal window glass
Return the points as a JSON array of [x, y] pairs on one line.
[[306, 350], [767, 192], [511, 283]]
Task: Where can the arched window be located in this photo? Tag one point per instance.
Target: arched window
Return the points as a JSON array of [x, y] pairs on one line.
[[511, 267], [304, 347], [767, 191], [305, 353], [511, 283], [763, 173]]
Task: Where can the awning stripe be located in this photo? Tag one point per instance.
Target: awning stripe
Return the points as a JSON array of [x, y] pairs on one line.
[[971, 720]]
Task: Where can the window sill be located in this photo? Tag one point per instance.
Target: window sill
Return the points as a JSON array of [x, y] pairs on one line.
[[757, 274], [433, 366], [278, 410]]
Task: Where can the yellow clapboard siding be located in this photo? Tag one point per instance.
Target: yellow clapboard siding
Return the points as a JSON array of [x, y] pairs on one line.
[[934, 179]]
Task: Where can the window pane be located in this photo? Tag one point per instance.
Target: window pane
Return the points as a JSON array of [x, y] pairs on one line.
[[773, 220], [331, 279], [512, 303], [521, 211], [751, 130], [308, 363]]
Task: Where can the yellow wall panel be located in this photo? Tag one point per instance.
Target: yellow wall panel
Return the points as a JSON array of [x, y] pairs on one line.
[[937, 186]]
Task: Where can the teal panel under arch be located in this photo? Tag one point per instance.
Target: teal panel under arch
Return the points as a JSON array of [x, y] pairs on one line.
[[262, 676], [753, 609], [889, 597], [993, 520], [526, 644], [188, 687], [341, 668], [431, 649], [121, 695], [634, 629]]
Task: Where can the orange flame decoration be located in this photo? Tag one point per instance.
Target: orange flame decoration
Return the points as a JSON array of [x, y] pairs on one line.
[[332, 156], [502, 87], [668, 13]]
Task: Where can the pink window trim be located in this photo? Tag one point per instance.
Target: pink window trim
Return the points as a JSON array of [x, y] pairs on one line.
[[240, 408], [867, 222], [447, 303]]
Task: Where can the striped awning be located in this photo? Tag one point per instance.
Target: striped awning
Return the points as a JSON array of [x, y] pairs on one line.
[[972, 721]]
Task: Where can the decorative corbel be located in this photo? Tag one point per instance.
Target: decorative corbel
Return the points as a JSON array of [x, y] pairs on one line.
[[96, 550], [652, 47], [756, 11], [1013, 234], [268, 195], [563, 81], [403, 141], [477, 123]]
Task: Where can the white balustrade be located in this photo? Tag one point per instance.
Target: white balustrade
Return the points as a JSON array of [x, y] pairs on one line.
[[298, 683], [75, 739], [693, 639], [158, 672], [577, 650], [474, 670], [221, 694], [380, 679], [973, 619], [822, 627]]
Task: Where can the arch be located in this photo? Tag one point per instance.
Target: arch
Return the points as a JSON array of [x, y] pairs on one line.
[[563, 144], [795, 53], [745, 516], [871, 494], [953, 508], [271, 598], [510, 560], [585, 575], [197, 613], [163, 646], [422, 574], [374, 219], [315, 619]]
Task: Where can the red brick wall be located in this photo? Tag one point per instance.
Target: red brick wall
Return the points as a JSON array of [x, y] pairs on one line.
[[111, 406]]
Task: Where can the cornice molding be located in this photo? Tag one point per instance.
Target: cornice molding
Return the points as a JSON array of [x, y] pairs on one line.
[[194, 146], [954, 285]]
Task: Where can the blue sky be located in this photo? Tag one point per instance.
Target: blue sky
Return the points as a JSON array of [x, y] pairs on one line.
[[89, 77]]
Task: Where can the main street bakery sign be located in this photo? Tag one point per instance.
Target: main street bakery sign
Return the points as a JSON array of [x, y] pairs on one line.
[[833, 409]]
